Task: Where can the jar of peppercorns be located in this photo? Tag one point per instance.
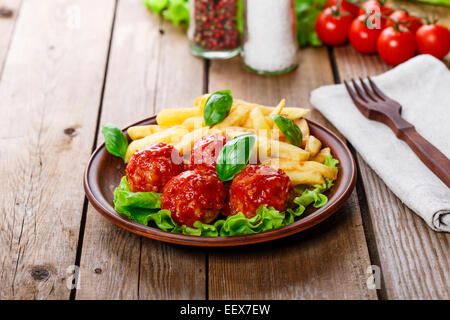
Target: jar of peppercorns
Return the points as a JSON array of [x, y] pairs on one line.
[[213, 31]]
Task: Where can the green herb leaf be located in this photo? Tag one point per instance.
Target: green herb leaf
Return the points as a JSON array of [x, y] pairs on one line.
[[234, 156], [307, 12], [116, 141], [217, 107], [290, 130]]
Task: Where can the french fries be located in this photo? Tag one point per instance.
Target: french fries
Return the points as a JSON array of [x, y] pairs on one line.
[[279, 107], [320, 157], [304, 172], [310, 178], [236, 117], [304, 128], [172, 117], [187, 141], [200, 102], [290, 113], [182, 127], [194, 123], [259, 120], [171, 136], [139, 132], [303, 166], [313, 145]]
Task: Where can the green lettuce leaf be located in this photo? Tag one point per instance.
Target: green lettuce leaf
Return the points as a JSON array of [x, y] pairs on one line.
[[141, 207], [156, 5], [331, 162], [176, 11], [144, 207]]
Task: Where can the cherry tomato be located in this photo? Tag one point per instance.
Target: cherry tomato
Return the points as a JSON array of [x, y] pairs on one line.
[[396, 46], [433, 39], [362, 38], [412, 22], [373, 6], [332, 26], [346, 5]]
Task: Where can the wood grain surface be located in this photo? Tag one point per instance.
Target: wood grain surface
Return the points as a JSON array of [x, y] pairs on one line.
[[301, 266], [150, 68], [67, 67], [414, 259], [49, 96], [7, 25]]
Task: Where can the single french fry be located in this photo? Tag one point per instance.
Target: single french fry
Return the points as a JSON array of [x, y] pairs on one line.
[[232, 132], [139, 132], [309, 178], [171, 117], [236, 117], [248, 123], [303, 166], [279, 107], [294, 113], [258, 120], [320, 157], [304, 128], [171, 135], [290, 113], [194, 123], [313, 145], [274, 148], [200, 102]]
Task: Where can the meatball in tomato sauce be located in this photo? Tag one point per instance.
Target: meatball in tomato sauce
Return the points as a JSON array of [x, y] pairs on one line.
[[205, 152], [257, 185], [193, 196], [151, 168]]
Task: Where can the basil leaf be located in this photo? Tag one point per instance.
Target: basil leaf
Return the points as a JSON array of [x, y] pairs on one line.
[[290, 130], [217, 107], [234, 156], [116, 141]]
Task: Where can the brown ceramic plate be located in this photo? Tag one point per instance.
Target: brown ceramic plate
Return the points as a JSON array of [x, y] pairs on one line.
[[104, 172]]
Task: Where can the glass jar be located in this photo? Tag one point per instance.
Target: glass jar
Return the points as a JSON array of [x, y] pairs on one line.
[[213, 31], [270, 40]]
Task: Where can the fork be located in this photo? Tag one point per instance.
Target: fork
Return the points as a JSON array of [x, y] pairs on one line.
[[375, 105]]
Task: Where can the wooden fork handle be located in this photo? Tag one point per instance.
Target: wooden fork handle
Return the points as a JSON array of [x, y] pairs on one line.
[[435, 160]]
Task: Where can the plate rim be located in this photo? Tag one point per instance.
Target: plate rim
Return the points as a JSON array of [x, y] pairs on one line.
[[309, 221]]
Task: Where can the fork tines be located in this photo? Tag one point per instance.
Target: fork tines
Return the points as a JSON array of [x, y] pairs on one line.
[[363, 94]]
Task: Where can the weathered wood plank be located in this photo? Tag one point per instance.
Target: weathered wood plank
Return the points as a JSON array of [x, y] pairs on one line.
[[326, 262], [49, 97], [7, 26], [414, 259], [169, 271], [150, 68]]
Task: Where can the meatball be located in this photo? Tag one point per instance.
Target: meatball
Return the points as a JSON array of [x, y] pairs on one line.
[[205, 152], [151, 168], [193, 196], [257, 185]]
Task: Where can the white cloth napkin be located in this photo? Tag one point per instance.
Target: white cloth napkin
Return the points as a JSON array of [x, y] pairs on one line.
[[422, 86]]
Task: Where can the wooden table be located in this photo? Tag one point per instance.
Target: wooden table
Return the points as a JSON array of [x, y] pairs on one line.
[[68, 66]]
